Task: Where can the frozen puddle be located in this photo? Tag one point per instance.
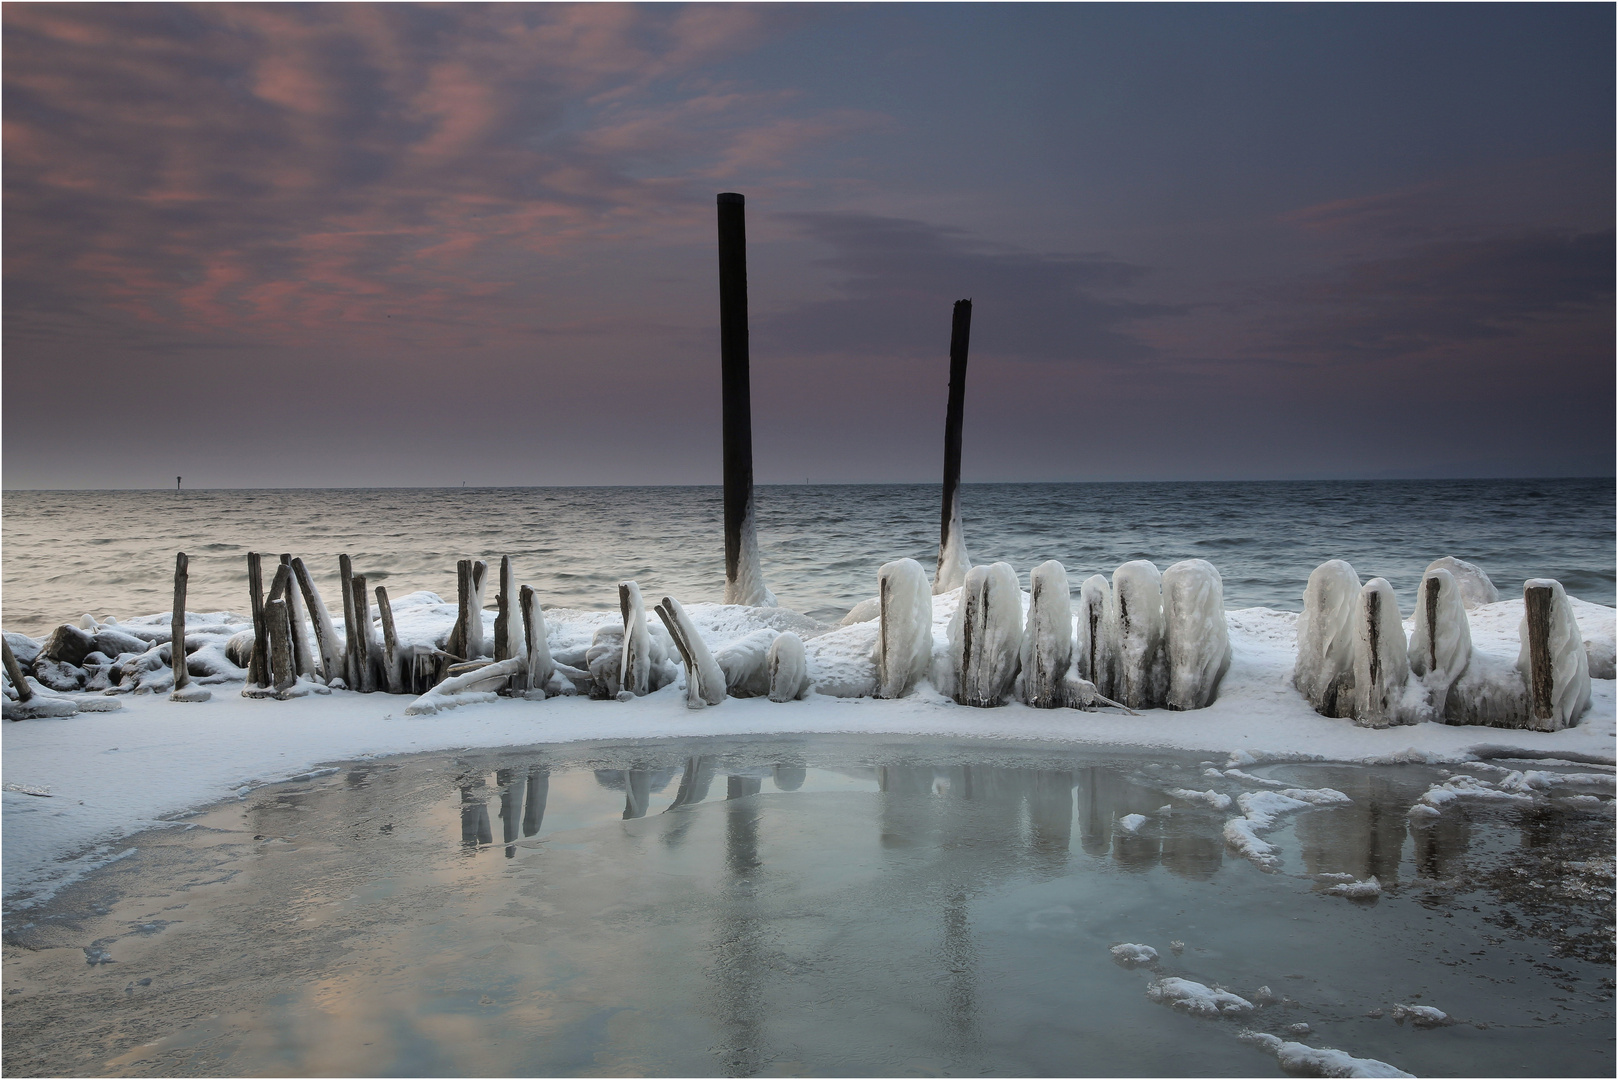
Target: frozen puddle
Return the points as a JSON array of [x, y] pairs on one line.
[[837, 906]]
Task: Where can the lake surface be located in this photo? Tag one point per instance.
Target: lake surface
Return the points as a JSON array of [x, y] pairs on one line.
[[66, 553], [814, 905]]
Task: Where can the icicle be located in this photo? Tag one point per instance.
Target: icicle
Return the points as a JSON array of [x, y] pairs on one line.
[[904, 643], [1047, 642], [1324, 672], [1195, 637]]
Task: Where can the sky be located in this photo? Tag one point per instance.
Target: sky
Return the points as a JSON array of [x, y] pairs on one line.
[[334, 245]]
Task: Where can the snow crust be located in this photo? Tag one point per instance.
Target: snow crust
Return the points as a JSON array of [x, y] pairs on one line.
[[1197, 999], [1131, 955], [1300, 1059]]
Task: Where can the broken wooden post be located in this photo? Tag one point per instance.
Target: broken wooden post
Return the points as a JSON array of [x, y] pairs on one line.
[[280, 586], [279, 624], [456, 644], [365, 637], [303, 660], [506, 643], [258, 670], [744, 578], [182, 566], [331, 653], [345, 577], [390, 643], [540, 666], [14, 670], [953, 562], [474, 622]]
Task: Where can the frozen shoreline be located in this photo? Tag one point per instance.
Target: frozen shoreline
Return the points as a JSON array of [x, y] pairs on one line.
[[109, 775]]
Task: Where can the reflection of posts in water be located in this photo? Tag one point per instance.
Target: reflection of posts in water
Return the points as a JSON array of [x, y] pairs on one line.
[[1363, 838], [1194, 845], [637, 793], [694, 782], [1095, 811], [539, 789], [1441, 843], [789, 777], [1050, 812], [739, 936], [511, 793], [906, 803], [961, 955], [475, 828]]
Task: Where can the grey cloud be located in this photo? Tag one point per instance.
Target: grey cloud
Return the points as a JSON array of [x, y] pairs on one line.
[[898, 278]]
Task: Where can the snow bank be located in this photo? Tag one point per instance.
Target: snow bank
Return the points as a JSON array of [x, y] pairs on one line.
[[1298, 1059]]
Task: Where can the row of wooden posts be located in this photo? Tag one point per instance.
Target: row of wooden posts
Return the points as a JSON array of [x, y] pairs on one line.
[[282, 651]]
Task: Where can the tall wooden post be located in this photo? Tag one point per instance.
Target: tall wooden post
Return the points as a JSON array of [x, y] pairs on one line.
[[953, 562], [352, 654], [258, 671], [744, 580], [177, 623]]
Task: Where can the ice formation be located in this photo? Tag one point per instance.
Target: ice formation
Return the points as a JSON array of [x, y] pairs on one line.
[[1137, 606], [1197, 999], [1381, 658], [474, 623], [1441, 640], [508, 632], [1095, 640], [326, 639], [539, 668], [1552, 659], [704, 681], [953, 561], [1047, 641], [904, 644], [1131, 955], [1324, 672], [635, 662], [985, 636], [1301, 1059], [1195, 638], [1475, 586], [745, 662], [788, 668]]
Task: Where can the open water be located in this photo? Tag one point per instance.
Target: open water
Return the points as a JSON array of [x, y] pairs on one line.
[[66, 553]]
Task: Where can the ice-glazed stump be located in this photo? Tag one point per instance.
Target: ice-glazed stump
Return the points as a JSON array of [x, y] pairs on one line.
[[1194, 633], [1324, 671], [1552, 659], [904, 643], [1381, 657], [1137, 605], [1047, 640], [985, 636], [1441, 639], [1095, 637]]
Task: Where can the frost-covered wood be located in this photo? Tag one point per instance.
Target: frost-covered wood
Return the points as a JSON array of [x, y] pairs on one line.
[[1552, 660], [392, 669], [1195, 637], [1137, 605], [635, 662], [370, 650], [353, 657], [258, 670], [1047, 640], [469, 688], [280, 586], [788, 668], [1324, 671], [182, 565], [540, 669], [904, 643], [1475, 586], [1381, 657], [704, 681], [1441, 639], [278, 623], [953, 561], [985, 636], [456, 643], [326, 641], [1095, 636], [302, 656], [474, 623], [14, 672], [508, 636]]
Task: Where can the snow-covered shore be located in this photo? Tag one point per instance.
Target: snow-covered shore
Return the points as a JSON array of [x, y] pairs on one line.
[[98, 776]]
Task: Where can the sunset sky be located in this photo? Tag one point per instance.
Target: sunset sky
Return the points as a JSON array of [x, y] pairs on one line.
[[340, 245]]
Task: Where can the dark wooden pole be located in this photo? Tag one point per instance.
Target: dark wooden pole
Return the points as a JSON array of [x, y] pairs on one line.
[[259, 666], [177, 623], [736, 390], [14, 670], [949, 517], [390, 642], [351, 656], [365, 658]]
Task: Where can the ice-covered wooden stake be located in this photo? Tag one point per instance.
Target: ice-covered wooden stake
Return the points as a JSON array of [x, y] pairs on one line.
[[1441, 639], [331, 650], [507, 637], [303, 659], [540, 667], [635, 663], [278, 623], [704, 680], [258, 669], [365, 636], [351, 631], [390, 643], [1137, 607], [985, 636], [182, 565], [474, 620], [953, 562], [904, 642], [1381, 657], [14, 671], [1553, 660], [744, 577], [1324, 671], [1095, 644], [1196, 641], [456, 645], [1047, 641]]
